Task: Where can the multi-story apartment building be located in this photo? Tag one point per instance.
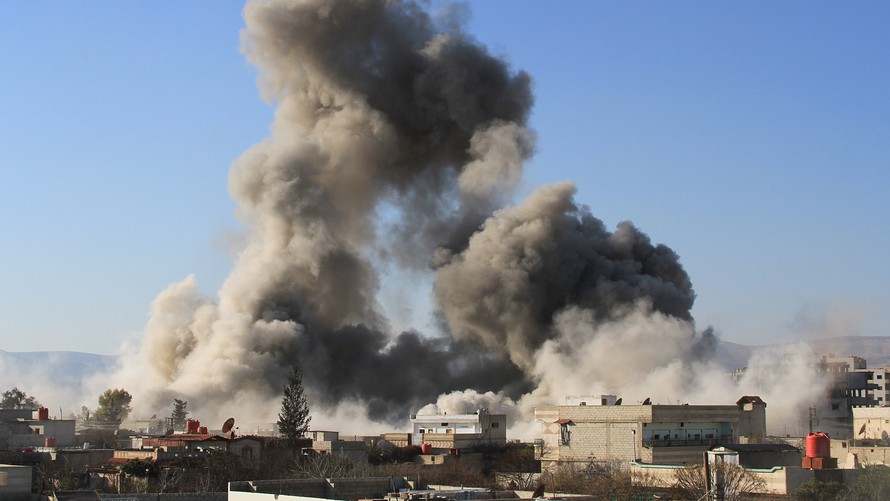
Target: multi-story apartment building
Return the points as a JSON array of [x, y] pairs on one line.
[[879, 390], [850, 386]]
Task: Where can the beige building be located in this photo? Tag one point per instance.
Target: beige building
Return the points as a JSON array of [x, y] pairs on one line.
[[655, 434], [872, 424]]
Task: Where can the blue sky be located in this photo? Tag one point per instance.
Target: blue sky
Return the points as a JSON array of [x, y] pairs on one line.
[[752, 138]]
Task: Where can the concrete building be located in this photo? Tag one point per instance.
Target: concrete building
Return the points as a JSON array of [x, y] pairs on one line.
[[460, 432], [657, 434], [879, 390], [181, 442], [850, 387], [872, 425], [329, 442], [29, 429], [765, 456]]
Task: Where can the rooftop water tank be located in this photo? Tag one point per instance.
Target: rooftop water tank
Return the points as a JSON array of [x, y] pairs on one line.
[[818, 445], [192, 425]]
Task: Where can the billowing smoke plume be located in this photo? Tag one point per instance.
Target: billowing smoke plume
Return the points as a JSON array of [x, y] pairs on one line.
[[398, 144], [532, 261]]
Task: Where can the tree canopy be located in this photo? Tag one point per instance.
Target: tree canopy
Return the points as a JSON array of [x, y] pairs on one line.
[[18, 399], [114, 406], [293, 420]]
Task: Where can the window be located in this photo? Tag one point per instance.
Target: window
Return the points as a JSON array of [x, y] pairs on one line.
[[495, 425], [565, 434], [835, 407], [444, 424], [879, 376]]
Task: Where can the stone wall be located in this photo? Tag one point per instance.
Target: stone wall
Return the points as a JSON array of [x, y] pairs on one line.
[[189, 496], [334, 488]]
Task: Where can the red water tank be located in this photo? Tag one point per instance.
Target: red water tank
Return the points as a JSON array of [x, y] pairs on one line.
[[42, 414], [202, 430], [49, 442], [192, 425], [818, 445], [426, 449]]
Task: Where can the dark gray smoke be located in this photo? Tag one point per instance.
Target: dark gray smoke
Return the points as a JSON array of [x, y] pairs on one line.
[[531, 261], [394, 144]]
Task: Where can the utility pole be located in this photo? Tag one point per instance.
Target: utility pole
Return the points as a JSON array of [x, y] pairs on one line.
[[812, 414]]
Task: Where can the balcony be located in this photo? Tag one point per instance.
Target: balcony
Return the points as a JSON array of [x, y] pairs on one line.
[[703, 442]]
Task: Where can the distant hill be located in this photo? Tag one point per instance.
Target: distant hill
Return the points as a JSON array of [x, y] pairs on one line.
[[69, 368], [66, 368], [874, 349], [732, 355]]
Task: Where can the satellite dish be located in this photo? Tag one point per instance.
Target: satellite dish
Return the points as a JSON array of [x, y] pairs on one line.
[[618, 402], [169, 431], [647, 401], [227, 426], [539, 492]]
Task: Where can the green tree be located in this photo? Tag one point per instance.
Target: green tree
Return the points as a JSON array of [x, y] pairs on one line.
[[815, 490], [140, 468], [872, 482], [114, 406], [293, 420], [180, 414], [18, 399]]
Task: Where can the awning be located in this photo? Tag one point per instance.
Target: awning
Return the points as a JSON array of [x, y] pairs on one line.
[[563, 421]]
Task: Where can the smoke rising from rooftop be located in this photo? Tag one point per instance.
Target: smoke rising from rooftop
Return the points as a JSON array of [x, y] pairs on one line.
[[396, 143]]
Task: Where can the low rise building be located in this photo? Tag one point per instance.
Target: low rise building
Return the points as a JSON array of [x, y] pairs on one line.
[[657, 434], [872, 425], [182, 442], [329, 442], [460, 432], [29, 429]]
